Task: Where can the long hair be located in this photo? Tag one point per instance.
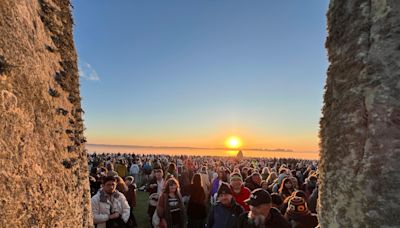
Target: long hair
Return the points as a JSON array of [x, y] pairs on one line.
[[121, 186], [283, 189], [170, 181], [272, 177], [265, 170], [196, 191], [196, 180]]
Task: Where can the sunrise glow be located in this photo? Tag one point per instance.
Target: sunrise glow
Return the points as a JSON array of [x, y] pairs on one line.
[[233, 142]]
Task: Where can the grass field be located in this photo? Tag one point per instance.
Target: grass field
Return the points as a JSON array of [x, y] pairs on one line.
[[140, 211]]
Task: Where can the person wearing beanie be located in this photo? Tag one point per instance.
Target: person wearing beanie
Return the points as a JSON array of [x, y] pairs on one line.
[[298, 214], [239, 191], [261, 213], [297, 193], [226, 212], [254, 181]]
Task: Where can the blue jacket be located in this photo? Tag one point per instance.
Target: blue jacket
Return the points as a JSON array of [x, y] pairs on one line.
[[224, 217]]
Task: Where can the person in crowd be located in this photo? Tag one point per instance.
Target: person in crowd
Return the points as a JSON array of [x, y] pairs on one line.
[[184, 180], [239, 191], [217, 181], [297, 193], [286, 188], [196, 210], [110, 207], [130, 196], [121, 186], [121, 168], [254, 182], [295, 182], [312, 200], [226, 212], [264, 173], [310, 184], [265, 186], [171, 171], [155, 189], [131, 193], [95, 181], [277, 201], [205, 180], [271, 178], [283, 173], [135, 172], [261, 213], [298, 214], [110, 170], [170, 207]]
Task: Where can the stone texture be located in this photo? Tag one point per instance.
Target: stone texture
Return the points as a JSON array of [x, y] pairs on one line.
[[43, 163], [360, 127]]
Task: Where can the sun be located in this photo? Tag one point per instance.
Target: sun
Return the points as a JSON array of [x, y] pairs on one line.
[[233, 142]]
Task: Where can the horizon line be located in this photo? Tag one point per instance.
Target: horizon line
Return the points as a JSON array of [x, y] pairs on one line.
[[200, 148]]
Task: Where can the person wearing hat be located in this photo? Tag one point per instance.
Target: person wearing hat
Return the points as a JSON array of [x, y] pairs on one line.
[[254, 181], [262, 214], [239, 191], [298, 214], [226, 212]]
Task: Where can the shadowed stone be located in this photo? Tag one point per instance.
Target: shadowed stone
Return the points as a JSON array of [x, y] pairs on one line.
[[360, 127]]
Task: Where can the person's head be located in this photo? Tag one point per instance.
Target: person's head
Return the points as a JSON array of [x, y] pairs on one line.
[[196, 180], [297, 207], [264, 185], [224, 194], [277, 200], [129, 180], [236, 181], [121, 186], [171, 186], [171, 167], [295, 182], [283, 170], [286, 185], [312, 181], [260, 205], [221, 174], [256, 178], [158, 173], [109, 184], [103, 172], [204, 169], [300, 193], [110, 166], [272, 177], [265, 171]]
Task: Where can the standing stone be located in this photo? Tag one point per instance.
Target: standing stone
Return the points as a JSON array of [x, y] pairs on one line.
[[43, 167], [360, 127]]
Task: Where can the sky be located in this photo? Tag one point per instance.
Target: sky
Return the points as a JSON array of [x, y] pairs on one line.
[[193, 73]]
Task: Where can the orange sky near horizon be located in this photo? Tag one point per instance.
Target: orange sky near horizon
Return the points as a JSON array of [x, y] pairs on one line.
[[304, 142]]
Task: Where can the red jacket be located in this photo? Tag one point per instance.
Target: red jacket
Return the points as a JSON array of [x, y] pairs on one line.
[[241, 197]]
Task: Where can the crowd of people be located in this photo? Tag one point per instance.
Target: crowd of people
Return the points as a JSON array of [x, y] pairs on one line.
[[198, 192]]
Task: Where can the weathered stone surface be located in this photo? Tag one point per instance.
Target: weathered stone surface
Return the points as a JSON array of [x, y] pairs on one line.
[[43, 168], [360, 127]]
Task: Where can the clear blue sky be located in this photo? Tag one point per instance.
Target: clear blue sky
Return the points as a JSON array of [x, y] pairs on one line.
[[191, 73]]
